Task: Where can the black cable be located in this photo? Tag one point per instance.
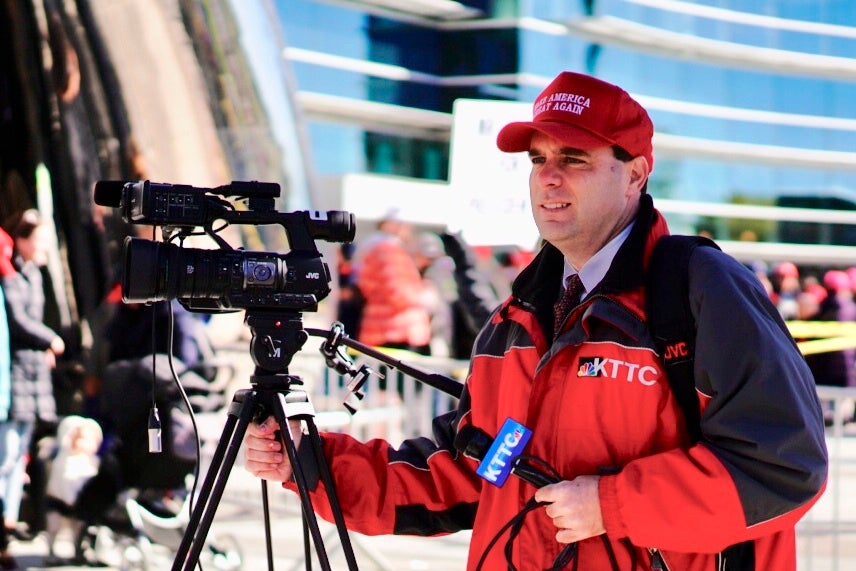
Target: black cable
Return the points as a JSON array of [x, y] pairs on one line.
[[181, 391], [565, 556], [154, 419], [154, 363], [509, 544], [632, 551], [187, 403], [545, 466], [609, 552], [530, 505]]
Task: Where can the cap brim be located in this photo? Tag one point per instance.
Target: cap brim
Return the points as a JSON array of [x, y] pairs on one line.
[[515, 137]]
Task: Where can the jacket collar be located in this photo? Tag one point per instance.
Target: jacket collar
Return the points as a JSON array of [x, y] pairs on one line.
[[537, 286]]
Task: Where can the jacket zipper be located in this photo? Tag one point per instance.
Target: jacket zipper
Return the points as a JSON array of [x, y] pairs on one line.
[[658, 562]]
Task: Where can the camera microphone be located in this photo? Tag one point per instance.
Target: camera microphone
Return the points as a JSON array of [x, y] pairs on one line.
[[501, 456], [109, 193], [154, 430]]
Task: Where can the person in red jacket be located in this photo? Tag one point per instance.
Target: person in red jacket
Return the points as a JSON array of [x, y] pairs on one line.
[[633, 490], [394, 313]]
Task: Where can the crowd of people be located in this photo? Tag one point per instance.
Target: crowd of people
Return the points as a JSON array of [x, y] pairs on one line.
[[825, 295], [422, 291], [430, 292], [64, 459]]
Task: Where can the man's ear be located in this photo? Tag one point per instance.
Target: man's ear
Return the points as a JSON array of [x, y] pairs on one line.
[[639, 171]]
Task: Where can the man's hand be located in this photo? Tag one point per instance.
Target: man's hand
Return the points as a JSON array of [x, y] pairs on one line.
[[574, 507], [263, 451]]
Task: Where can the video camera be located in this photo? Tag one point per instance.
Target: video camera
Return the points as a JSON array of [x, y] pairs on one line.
[[224, 279]]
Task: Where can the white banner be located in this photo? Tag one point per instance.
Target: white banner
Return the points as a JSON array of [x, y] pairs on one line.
[[491, 187]]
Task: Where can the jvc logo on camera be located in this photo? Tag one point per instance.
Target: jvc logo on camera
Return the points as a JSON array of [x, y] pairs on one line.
[[508, 445]]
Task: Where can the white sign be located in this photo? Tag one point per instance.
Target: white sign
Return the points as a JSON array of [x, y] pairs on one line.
[[490, 186]]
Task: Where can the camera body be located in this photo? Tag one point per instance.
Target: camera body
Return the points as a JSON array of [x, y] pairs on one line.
[[224, 279]]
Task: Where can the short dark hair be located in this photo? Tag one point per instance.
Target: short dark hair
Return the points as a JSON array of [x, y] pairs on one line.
[[625, 157], [23, 224], [621, 154]]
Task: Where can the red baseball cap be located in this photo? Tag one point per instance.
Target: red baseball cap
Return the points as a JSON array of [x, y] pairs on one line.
[[7, 250], [584, 112]]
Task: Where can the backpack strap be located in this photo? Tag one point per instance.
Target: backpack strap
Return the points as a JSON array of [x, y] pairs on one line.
[[671, 322], [670, 319]]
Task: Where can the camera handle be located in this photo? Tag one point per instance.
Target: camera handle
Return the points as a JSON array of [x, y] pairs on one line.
[[276, 339], [337, 359]]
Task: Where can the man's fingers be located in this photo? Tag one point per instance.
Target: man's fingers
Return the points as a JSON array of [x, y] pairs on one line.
[[570, 536], [265, 429], [263, 451], [265, 472], [264, 456]]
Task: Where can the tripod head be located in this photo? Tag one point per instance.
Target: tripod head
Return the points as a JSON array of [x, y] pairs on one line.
[[276, 337]]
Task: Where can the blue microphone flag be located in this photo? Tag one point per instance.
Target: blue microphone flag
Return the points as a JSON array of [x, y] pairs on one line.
[[507, 446]]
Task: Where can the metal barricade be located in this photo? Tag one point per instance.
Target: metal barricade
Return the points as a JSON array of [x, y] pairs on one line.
[[826, 536], [395, 406]]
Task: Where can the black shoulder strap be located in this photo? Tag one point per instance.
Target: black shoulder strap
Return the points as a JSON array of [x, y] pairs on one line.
[[670, 318], [671, 322]]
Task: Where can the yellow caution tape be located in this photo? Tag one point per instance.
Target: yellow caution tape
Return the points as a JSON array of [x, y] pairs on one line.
[[823, 336]]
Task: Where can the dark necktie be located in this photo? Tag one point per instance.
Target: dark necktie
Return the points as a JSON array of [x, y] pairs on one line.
[[569, 300]]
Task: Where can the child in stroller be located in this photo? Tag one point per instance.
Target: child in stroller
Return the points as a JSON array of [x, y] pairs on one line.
[[138, 501], [76, 462]]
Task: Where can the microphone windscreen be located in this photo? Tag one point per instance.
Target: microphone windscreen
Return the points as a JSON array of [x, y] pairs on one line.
[[109, 192], [473, 442]]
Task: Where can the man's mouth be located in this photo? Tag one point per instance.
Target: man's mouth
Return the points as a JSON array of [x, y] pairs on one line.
[[556, 205]]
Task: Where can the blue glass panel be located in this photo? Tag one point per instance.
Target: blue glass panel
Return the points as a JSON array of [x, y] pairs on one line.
[[336, 149], [329, 28], [776, 37], [715, 181], [547, 55], [318, 26]]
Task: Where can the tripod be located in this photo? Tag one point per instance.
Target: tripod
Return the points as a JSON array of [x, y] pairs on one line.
[[276, 338]]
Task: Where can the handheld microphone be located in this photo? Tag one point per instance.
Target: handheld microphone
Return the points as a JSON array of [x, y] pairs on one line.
[[501, 456], [109, 193]]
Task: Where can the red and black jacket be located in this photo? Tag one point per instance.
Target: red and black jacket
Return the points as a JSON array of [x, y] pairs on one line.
[[598, 402]]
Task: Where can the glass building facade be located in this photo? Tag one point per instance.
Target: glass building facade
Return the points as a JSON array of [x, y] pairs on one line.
[[752, 100]]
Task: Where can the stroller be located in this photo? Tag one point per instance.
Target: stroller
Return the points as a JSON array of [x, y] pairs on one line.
[[146, 538], [137, 506]]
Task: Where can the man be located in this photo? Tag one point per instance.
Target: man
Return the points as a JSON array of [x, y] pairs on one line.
[[394, 313], [635, 493]]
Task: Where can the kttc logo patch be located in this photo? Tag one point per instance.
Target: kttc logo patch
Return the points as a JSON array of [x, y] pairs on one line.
[[606, 367]]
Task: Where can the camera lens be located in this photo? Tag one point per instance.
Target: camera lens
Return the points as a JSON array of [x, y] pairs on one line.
[[262, 273], [142, 286], [155, 271], [221, 279]]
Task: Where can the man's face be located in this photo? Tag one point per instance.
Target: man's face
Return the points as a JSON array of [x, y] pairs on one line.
[[581, 199]]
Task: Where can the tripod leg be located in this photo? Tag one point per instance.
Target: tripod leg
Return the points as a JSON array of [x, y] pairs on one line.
[[268, 533], [240, 414], [279, 411], [327, 477]]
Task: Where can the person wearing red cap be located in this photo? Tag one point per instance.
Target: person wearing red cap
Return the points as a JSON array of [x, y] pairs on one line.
[[835, 368], [785, 279], [634, 490]]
